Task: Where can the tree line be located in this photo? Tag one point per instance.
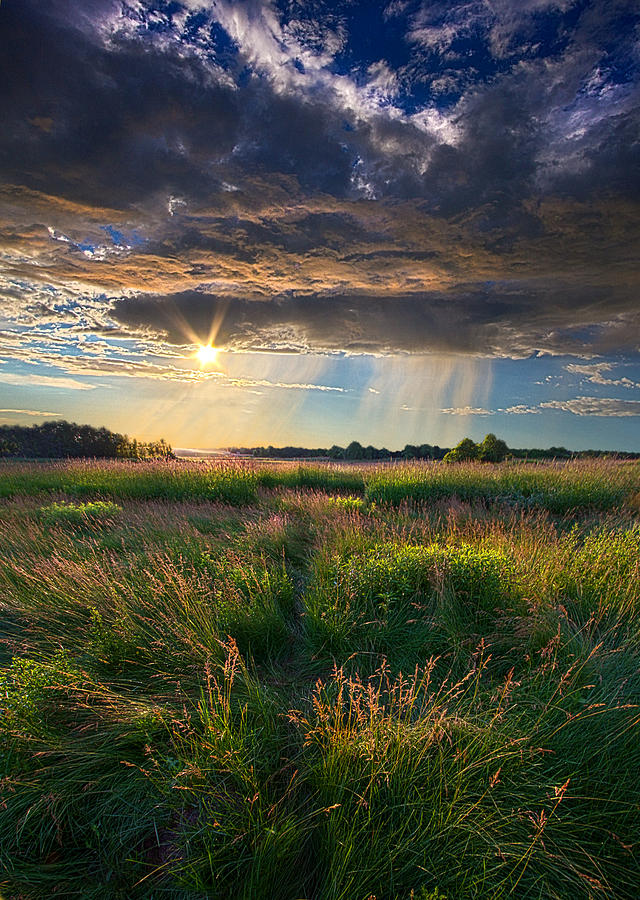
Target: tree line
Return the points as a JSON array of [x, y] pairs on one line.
[[61, 439], [491, 449], [352, 451]]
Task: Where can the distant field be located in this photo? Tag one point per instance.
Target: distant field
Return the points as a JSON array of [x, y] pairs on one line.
[[559, 487], [330, 682]]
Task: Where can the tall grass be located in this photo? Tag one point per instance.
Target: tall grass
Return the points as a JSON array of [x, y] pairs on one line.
[[558, 488], [172, 480], [312, 696], [226, 482], [405, 602]]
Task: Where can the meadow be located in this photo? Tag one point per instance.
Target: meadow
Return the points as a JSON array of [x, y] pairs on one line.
[[319, 682]]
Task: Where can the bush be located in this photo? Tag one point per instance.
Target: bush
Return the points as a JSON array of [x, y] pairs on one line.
[[348, 504]]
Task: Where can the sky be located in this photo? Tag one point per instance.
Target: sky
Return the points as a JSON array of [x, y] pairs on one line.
[[397, 222]]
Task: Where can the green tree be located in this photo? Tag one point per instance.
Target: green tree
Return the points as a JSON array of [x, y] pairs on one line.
[[465, 450], [492, 449], [355, 450]]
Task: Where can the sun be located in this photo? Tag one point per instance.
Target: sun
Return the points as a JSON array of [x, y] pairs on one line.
[[207, 354]]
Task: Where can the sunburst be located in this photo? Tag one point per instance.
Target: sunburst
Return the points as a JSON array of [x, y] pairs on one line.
[[207, 354]]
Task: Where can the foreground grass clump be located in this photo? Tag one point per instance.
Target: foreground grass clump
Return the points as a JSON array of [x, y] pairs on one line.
[[317, 695], [405, 602]]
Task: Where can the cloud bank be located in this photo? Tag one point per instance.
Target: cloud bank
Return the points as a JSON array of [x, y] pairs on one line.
[[579, 406], [465, 181]]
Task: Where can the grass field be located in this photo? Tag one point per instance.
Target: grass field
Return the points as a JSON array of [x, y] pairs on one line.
[[321, 682]]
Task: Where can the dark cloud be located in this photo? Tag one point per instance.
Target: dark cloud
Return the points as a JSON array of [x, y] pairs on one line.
[[474, 321], [106, 124], [260, 184], [104, 120]]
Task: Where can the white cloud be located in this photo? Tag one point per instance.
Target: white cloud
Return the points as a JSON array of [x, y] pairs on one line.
[[521, 410], [467, 411], [579, 406], [436, 37], [27, 412], [595, 406], [48, 381], [593, 373], [437, 25], [101, 365], [297, 61]]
